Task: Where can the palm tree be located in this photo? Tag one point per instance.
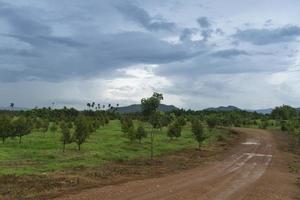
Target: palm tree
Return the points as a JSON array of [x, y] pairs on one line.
[[99, 106], [88, 105], [93, 104], [12, 106]]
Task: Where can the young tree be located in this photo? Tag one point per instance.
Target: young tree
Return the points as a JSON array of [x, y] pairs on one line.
[[149, 109], [212, 121], [126, 125], [156, 120], [21, 126], [132, 134], [141, 133], [66, 137], [82, 130], [174, 130], [5, 128], [198, 132], [166, 119], [181, 120]]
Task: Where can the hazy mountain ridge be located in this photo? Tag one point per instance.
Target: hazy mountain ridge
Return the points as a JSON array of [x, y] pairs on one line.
[[137, 108], [223, 108], [167, 108]]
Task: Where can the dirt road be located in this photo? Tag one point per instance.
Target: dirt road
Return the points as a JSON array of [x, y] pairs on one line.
[[253, 170]]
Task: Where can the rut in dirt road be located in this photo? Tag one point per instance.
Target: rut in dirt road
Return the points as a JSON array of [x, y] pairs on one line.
[[238, 176]]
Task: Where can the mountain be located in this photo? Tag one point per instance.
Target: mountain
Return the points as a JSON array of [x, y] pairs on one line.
[[137, 108], [223, 108], [266, 111], [262, 111]]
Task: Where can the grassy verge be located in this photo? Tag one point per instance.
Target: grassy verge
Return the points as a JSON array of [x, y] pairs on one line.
[[175, 155]]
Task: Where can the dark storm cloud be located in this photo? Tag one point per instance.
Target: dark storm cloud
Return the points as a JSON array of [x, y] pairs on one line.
[[206, 28], [138, 47], [102, 55], [22, 22], [231, 61], [17, 52], [51, 57], [42, 41], [186, 34], [230, 53], [141, 17], [268, 36], [204, 22]]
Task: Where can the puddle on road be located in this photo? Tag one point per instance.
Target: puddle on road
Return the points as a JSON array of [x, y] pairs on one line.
[[251, 142], [257, 154]]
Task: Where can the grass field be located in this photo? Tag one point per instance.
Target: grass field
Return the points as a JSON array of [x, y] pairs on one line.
[[40, 152]]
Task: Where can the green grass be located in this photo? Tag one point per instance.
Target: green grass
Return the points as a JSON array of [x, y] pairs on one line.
[[40, 152]]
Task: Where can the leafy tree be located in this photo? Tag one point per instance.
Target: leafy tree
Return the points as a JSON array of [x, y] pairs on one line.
[[212, 121], [166, 119], [126, 125], [174, 130], [21, 126], [149, 110], [198, 132], [5, 127], [284, 113], [156, 120], [284, 125], [150, 105], [181, 121], [141, 133], [82, 131], [132, 134], [66, 137]]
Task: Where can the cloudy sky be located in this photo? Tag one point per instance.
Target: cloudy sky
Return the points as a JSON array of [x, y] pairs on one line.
[[198, 53]]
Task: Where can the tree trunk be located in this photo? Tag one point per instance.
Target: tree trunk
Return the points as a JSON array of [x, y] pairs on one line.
[[64, 147], [20, 139], [78, 147], [152, 141], [3, 140], [199, 145]]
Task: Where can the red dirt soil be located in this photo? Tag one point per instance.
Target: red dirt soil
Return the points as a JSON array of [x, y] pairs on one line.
[[254, 170]]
